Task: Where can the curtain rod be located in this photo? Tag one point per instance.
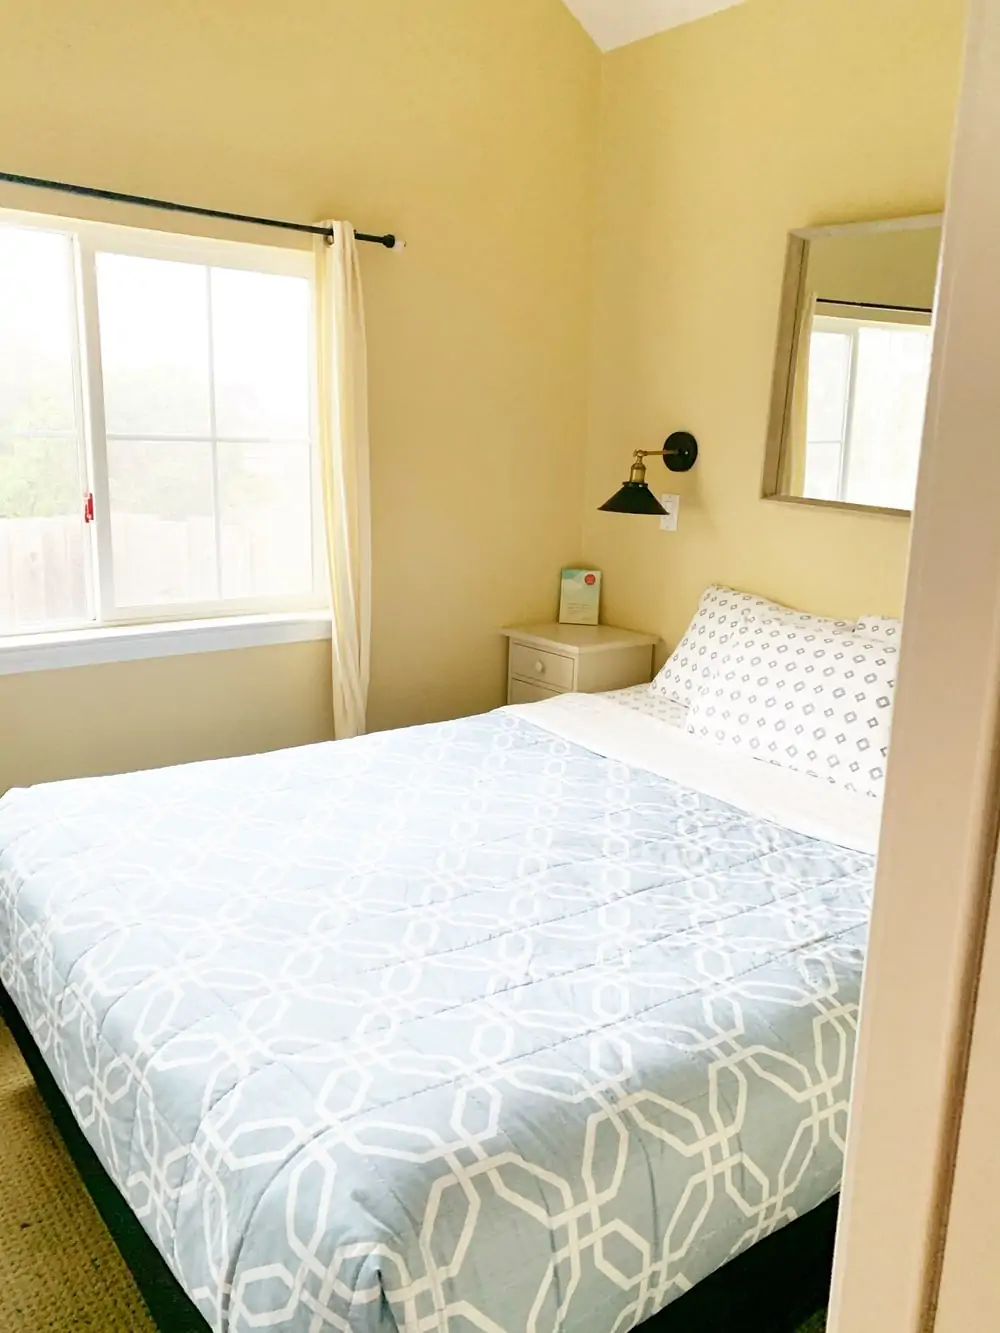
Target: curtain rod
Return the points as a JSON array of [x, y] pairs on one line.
[[875, 305], [90, 192]]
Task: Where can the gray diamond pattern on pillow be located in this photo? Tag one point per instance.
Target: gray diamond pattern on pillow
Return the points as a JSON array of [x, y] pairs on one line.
[[818, 703], [720, 613], [644, 699], [885, 629]]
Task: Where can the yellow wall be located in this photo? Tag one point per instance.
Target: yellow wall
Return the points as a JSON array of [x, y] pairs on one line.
[[467, 125], [716, 140], [479, 130], [129, 715], [890, 268]]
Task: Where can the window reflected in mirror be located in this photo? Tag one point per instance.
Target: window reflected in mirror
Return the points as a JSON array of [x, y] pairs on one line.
[[853, 364]]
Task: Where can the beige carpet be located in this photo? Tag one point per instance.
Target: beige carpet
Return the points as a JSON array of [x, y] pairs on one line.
[[59, 1269]]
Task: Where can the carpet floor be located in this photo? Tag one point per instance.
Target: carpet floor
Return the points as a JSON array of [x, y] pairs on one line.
[[59, 1269]]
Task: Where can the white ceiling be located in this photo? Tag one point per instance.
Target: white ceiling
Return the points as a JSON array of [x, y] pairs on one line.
[[614, 23]]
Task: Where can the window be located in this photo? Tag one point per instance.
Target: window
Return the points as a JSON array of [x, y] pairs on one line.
[[868, 384], [157, 453]]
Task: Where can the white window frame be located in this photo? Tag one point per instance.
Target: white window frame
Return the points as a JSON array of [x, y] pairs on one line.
[[248, 617], [833, 320]]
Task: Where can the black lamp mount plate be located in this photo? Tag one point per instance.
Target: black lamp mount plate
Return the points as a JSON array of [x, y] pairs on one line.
[[680, 453]]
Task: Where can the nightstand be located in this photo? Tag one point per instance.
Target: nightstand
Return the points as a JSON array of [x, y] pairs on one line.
[[561, 659]]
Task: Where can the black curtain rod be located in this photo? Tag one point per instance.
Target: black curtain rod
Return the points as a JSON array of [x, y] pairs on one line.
[[874, 305], [89, 192]]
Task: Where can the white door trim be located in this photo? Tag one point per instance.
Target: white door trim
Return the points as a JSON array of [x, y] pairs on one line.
[[939, 826]]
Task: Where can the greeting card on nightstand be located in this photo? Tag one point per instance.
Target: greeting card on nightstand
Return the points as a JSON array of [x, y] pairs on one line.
[[580, 597]]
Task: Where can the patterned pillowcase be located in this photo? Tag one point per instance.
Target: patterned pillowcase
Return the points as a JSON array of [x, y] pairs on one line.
[[882, 628], [720, 612], [819, 703]]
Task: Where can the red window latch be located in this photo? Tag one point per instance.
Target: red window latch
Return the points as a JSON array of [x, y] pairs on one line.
[[88, 507]]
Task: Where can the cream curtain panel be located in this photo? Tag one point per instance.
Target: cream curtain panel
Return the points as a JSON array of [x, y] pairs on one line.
[[795, 465], [344, 461]]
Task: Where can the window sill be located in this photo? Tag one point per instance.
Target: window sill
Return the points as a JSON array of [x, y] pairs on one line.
[[133, 643]]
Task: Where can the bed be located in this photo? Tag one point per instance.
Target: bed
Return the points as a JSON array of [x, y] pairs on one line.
[[531, 1021]]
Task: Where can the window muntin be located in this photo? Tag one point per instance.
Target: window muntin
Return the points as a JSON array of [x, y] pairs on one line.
[[868, 383]]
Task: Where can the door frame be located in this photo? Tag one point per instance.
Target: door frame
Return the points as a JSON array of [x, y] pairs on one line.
[[939, 831]]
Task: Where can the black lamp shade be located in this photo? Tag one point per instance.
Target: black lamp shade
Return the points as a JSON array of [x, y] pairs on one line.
[[635, 497]]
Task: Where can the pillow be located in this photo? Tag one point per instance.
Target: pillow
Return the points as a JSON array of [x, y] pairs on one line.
[[813, 701], [882, 628], [720, 612]]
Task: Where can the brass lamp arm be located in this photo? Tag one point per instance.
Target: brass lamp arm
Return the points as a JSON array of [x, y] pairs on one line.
[[679, 454]]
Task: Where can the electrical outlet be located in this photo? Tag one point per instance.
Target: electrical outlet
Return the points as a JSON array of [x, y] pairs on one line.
[[669, 520]]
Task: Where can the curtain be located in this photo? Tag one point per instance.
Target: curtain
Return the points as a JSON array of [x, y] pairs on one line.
[[798, 416], [344, 463]]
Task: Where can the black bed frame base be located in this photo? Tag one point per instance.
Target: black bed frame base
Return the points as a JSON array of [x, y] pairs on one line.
[[772, 1288]]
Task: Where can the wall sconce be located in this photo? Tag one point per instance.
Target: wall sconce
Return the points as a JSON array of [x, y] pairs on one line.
[[680, 453]]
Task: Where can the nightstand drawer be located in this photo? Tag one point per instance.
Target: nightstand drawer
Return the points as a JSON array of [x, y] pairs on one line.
[[535, 664], [527, 692]]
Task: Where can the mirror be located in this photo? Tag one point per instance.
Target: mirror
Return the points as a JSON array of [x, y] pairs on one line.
[[853, 364]]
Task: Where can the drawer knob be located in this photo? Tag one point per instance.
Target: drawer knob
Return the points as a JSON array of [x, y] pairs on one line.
[[540, 668]]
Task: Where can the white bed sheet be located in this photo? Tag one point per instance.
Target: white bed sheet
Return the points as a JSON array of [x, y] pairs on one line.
[[640, 728]]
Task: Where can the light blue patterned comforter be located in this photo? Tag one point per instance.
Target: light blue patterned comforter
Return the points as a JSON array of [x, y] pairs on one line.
[[457, 1027]]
